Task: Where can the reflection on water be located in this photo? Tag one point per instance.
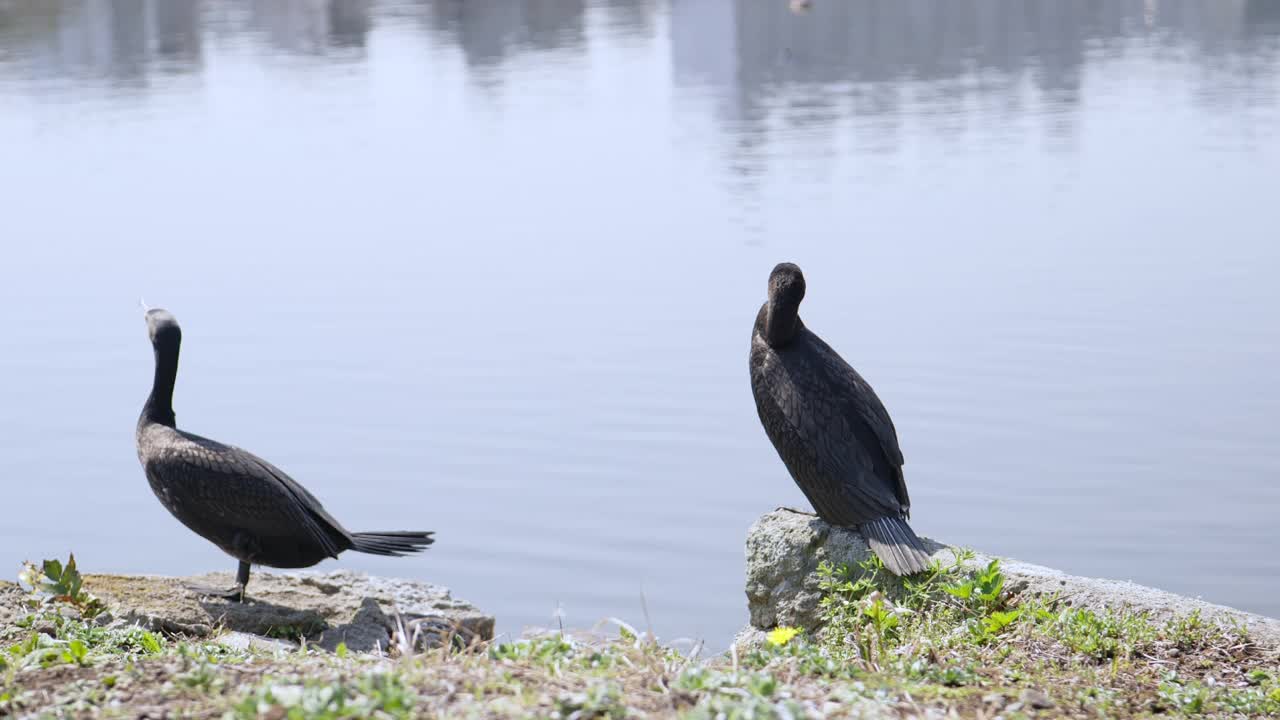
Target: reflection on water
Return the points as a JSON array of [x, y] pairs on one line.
[[948, 58], [968, 49], [488, 32], [309, 27], [500, 259]]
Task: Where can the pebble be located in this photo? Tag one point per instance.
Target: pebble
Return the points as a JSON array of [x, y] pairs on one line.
[[1036, 699]]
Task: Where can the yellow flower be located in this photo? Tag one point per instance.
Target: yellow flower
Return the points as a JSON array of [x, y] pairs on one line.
[[780, 636]]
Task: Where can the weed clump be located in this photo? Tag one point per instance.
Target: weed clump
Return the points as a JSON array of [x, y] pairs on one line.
[[869, 613], [957, 635], [54, 583], [383, 695]]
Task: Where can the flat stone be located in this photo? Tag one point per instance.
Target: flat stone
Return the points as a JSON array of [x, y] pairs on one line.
[[784, 550], [1036, 699], [246, 641], [328, 608]]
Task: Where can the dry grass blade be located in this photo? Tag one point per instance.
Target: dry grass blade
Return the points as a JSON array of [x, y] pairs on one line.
[[623, 625]]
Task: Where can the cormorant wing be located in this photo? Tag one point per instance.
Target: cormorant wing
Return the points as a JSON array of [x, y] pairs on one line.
[[866, 415], [299, 492], [846, 429], [225, 484]]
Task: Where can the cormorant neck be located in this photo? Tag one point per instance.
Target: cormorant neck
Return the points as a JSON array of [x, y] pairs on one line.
[[781, 322], [159, 407]]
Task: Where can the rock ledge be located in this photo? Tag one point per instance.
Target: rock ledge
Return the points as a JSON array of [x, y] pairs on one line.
[[327, 608], [784, 549]]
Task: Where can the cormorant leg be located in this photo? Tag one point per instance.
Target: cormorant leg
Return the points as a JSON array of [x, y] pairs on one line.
[[798, 512], [242, 578]]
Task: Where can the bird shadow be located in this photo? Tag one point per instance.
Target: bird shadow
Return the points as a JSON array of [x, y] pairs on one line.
[[267, 619]]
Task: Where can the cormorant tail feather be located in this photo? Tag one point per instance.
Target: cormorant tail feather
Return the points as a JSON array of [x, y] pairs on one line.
[[395, 543], [896, 544]]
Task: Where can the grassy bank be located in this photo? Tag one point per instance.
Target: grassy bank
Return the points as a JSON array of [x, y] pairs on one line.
[[951, 640]]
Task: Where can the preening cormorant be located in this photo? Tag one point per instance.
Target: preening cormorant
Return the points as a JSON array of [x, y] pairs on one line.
[[832, 432], [233, 498]]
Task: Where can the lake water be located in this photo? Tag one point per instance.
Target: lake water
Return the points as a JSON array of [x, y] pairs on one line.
[[490, 268]]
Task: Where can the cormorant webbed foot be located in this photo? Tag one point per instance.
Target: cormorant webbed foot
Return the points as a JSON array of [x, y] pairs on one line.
[[798, 512], [233, 594]]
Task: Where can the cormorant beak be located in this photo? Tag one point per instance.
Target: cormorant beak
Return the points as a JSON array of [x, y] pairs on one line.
[[143, 303]]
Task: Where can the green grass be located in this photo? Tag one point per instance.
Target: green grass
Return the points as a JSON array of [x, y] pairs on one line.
[[1192, 697], [383, 695], [56, 639], [953, 639], [955, 635]]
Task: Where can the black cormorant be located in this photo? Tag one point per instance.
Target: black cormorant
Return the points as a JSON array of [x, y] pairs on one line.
[[832, 432], [233, 498]]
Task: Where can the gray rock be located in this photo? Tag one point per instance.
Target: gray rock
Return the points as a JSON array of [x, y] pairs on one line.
[[246, 641], [996, 700], [784, 549], [750, 638], [327, 608], [1036, 699]]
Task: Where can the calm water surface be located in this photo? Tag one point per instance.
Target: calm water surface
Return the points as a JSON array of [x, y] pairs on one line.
[[491, 268]]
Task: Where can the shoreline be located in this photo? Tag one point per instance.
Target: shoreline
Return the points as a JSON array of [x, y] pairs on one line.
[[832, 636]]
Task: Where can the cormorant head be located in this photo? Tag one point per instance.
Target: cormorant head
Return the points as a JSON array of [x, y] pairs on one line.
[[163, 328], [781, 314], [786, 285]]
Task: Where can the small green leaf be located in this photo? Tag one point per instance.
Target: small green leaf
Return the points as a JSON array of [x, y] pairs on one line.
[[341, 650], [991, 592], [151, 643], [76, 653], [1000, 620]]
